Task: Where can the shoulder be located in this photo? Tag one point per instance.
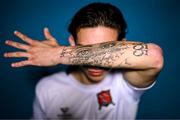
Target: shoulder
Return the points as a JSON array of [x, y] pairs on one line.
[[50, 87], [52, 82], [127, 89], [119, 76]]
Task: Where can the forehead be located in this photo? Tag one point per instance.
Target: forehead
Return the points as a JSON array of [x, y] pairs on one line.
[[94, 35]]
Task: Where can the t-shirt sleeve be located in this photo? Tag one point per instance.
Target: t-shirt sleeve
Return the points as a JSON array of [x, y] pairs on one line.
[[46, 90], [38, 112], [131, 90], [40, 100], [137, 92]]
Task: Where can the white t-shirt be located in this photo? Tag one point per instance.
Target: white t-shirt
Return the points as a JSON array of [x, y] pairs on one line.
[[61, 96]]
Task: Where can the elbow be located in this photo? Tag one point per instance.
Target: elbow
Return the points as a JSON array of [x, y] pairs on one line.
[[156, 53]]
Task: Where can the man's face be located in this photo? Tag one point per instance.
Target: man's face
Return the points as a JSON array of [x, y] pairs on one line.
[[88, 36]]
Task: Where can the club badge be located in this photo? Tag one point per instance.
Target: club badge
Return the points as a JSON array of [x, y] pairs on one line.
[[104, 98]]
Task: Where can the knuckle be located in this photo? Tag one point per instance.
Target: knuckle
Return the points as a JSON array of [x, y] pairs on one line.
[[23, 37], [31, 49], [18, 44], [18, 53]]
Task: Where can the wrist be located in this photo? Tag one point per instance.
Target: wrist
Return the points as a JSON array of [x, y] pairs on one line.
[[62, 56], [57, 59]]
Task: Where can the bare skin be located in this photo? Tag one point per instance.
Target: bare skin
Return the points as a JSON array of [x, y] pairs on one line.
[[33, 49], [141, 62]]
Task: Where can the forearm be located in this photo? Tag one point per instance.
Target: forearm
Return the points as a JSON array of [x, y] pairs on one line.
[[133, 55]]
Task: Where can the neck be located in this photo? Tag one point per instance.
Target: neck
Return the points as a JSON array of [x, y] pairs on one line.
[[81, 77]]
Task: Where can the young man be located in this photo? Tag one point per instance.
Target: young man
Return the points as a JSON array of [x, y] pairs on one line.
[[110, 74]]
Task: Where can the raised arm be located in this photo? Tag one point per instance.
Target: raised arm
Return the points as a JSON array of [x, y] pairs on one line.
[[116, 54], [141, 62]]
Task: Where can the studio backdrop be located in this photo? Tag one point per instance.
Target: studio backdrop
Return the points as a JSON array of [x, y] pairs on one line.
[[154, 21]]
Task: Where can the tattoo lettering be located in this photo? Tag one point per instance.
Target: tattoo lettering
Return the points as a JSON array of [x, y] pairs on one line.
[[63, 52], [104, 54], [140, 49], [83, 52], [107, 45], [66, 52]]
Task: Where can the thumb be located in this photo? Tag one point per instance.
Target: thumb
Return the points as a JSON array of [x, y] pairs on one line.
[[48, 35]]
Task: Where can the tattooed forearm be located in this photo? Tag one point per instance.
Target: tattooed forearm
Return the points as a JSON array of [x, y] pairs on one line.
[[110, 54], [66, 52]]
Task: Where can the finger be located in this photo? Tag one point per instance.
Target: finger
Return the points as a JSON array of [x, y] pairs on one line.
[[17, 54], [17, 45], [48, 35], [24, 37], [22, 63]]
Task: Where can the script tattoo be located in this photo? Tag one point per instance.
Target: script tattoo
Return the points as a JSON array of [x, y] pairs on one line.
[[104, 54], [107, 45], [67, 52], [109, 54], [140, 49]]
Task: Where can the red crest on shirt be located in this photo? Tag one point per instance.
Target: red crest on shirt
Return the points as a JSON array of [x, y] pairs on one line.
[[104, 98]]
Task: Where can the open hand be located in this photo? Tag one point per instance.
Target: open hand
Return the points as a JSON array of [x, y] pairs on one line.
[[39, 53]]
